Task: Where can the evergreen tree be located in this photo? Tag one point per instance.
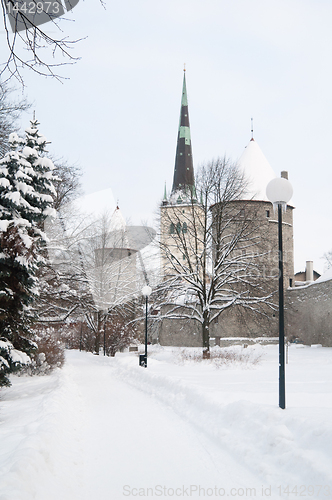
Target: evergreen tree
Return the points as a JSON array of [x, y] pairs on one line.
[[25, 201]]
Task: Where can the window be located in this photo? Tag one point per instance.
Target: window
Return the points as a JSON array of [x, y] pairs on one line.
[[172, 228], [178, 228], [267, 213], [242, 212], [184, 227]]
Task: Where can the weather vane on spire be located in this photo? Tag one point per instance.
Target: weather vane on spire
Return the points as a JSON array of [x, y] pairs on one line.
[[252, 129]]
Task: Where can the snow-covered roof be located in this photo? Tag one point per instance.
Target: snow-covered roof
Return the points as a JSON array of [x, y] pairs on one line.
[[97, 203], [118, 222], [327, 276], [257, 171]]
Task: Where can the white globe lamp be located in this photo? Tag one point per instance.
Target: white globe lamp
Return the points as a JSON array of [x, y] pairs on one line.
[[146, 291], [279, 191]]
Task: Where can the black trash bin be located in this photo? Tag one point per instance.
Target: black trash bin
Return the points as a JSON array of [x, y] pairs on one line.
[[142, 360]]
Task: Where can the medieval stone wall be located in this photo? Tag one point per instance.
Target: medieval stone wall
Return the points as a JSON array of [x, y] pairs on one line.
[[309, 313], [180, 332]]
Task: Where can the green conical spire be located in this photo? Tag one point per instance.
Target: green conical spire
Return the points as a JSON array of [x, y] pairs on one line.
[[165, 201], [184, 101], [183, 170]]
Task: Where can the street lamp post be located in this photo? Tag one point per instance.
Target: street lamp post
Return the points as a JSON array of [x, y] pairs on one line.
[[279, 191], [146, 292]]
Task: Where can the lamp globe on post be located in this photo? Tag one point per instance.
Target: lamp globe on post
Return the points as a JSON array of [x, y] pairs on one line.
[[146, 292], [279, 191]]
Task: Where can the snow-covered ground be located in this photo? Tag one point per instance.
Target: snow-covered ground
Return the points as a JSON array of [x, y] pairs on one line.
[[104, 428]]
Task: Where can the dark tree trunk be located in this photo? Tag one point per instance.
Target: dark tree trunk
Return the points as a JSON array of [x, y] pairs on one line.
[[98, 332], [206, 335]]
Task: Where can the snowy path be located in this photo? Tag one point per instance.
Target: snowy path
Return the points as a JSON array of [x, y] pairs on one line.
[[134, 441], [99, 438], [107, 429]]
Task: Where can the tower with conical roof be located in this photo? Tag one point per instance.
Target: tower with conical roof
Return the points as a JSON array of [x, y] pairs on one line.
[[180, 208], [262, 247]]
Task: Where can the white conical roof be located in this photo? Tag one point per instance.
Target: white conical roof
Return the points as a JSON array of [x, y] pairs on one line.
[[257, 170], [118, 222], [118, 231]]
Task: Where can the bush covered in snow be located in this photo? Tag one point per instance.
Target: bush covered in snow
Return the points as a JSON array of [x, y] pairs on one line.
[[50, 352], [11, 360], [119, 333], [220, 357]]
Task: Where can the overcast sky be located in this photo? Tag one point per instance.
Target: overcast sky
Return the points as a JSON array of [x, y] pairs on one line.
[[117, 115]]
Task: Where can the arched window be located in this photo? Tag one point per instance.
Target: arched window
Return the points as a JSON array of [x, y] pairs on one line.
[[178, 228], [172, 228], [184, 227]]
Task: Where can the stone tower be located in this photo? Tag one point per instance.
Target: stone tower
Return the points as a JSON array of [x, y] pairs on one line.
[[259, 173], [238, 321], [179, 209]]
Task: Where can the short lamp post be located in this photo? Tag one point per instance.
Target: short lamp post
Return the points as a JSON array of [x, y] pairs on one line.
[[146, 292], [279, 191]]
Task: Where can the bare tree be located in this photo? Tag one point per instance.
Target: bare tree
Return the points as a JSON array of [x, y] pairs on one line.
[[110, 268], [10, 111], [328, 259], [209, 250], [91, 273], [67, 182]]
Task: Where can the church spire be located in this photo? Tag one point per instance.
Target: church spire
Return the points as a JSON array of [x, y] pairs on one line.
[[183, 170]]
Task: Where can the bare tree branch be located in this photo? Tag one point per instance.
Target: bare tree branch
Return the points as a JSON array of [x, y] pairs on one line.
[[29, 46]]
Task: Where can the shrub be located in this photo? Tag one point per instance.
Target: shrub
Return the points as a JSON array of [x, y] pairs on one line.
[[50, 352], [119, 333], [220, 357], [11, 361]]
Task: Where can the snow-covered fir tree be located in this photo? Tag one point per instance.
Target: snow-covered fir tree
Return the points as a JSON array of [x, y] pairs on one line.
[[25, 201]]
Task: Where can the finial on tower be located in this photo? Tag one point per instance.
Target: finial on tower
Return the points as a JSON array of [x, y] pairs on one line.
[[252, 129], [165, 202], [184, 67], [34, 116]]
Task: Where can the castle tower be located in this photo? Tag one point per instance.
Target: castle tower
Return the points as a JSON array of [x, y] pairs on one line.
[[264, 248], [179, 209], [258, 172]]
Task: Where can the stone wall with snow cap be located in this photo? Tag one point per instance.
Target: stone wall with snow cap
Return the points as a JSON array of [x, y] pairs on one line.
[[309, 312]]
